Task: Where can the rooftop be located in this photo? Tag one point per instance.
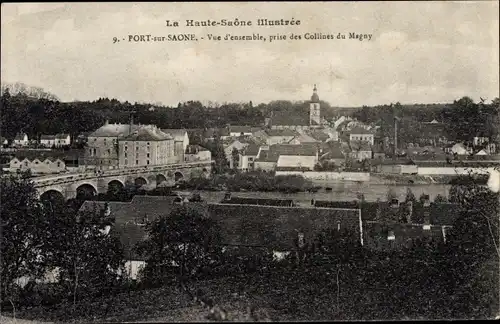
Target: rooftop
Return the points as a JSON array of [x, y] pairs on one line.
[[360, 131], [146, 133]]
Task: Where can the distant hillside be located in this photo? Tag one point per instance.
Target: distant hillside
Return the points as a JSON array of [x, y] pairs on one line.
[[29, 91]]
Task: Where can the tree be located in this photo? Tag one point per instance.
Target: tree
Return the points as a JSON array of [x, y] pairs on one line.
[[236, 157], [23, 231], [181, 245], [440, 199], [410, 196], [87, 256]]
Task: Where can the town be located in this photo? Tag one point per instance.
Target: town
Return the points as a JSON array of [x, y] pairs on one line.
[[208, 176], [245, 178]]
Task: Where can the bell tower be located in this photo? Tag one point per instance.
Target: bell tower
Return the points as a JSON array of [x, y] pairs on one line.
[[314, 110]]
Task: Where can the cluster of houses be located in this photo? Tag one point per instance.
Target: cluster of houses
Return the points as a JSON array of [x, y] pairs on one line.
[[382, 226], [111, 146], [287, 142], [21, 140]]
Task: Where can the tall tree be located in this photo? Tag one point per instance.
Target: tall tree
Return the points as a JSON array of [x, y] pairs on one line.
[[185, 241]]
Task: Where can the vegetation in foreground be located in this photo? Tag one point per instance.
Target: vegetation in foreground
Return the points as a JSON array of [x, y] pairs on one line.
[[327, 279]]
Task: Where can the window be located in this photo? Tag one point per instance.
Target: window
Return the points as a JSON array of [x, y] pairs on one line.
[[109, 151], [15, 162], [104, 141], [148, 155], [391, 236], [137, 162], [147, 162], [126, 148], [95, 151], [125, 154], [126, 161], [147, 143], [36, 162], [26, 163], [58, 164], [136, 155]]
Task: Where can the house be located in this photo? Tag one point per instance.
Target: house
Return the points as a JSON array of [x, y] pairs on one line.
[[236, 131], [378, 152], [57, 140], [294, 157], [332, 153], [459, 149], [302, 139], [279, 136], [361, 134], [21, 139], [248, 156], [481, 152], [41, 165], [480, 140], [266, 159], [197, 153], [181, 142], [232, 144], [361, 151], [3, 141]]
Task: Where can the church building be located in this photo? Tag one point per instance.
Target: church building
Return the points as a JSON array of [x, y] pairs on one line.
[[300, 120]]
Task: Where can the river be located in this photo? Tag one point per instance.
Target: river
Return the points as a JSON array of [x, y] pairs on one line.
[[341, 192]]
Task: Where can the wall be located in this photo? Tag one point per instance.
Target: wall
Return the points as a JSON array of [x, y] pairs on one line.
[[325, 175], [265, 166], [451, 171]]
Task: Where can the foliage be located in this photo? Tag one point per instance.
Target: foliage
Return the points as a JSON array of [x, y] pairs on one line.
[[218, 155], [440, 199], [87, 258], [180, 245], [23, 226], [235, 155], [410, 196]]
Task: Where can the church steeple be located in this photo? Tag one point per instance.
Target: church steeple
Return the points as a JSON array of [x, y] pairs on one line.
[[314, 109], [315, 97]]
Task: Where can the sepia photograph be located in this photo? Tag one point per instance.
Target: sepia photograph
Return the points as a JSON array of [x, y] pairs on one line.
[[249, 161]]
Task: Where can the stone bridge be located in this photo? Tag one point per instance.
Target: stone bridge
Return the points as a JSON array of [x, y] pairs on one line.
[[69, 184]]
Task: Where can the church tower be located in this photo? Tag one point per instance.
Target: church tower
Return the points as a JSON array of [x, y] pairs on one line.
[[314, 110]]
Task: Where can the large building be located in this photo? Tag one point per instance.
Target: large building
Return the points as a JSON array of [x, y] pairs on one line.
[[146, 146], [126, 145]]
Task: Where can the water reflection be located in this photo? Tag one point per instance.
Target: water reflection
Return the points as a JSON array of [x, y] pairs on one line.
[[342, 192]]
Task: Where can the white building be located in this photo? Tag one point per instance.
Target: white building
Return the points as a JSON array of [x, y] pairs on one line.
[[57, 140], [21, 139], [362, 135]]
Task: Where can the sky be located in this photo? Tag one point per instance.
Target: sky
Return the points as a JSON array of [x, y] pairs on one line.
[[420, 52]]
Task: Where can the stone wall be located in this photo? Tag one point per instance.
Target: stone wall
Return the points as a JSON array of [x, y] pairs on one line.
[[325, 175]]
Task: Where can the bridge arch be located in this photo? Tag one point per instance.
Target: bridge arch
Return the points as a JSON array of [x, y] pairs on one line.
[[52, 195], [140, 181], [86, 191], [178, 176], [160, 178], [115, 185]]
